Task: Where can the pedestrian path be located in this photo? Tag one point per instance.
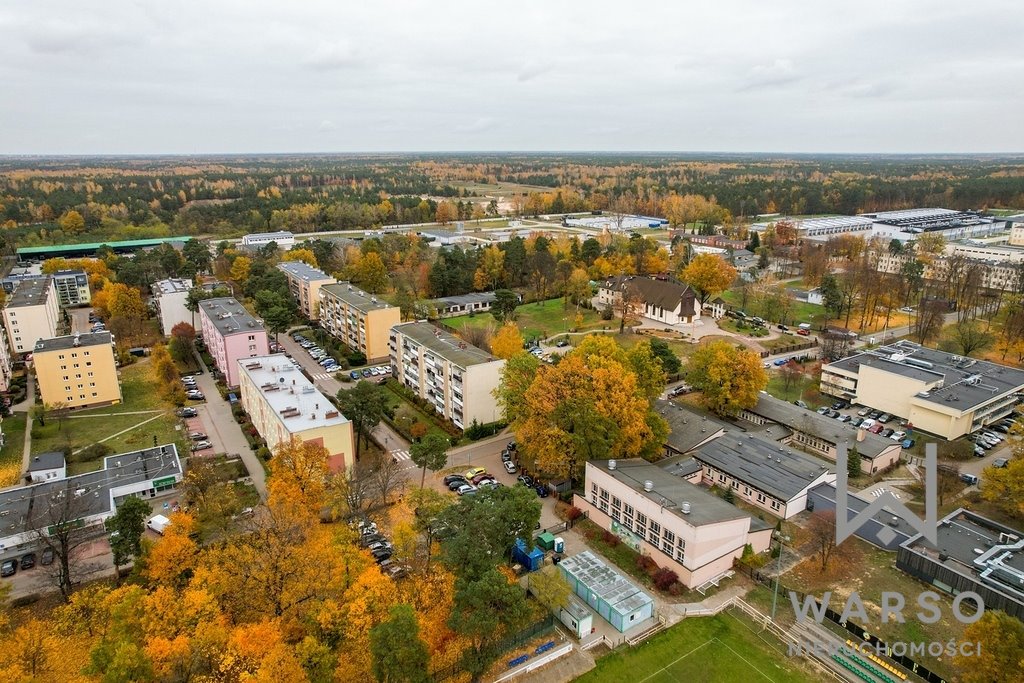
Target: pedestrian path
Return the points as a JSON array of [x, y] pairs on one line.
[[401, 455], [321, 375]]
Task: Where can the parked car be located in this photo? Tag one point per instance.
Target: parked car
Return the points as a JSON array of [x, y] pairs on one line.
[[511, 445], [875, 414], [857, 421], [898, 435], [822, 410], [839, 405], [354, 374], [799, 403], [886, 433], [877, 428], [844, 418], [969, 479], [479, 478], [197, 436], [506, 456], [201, 445], [473, 471], [187, 412], [46, 558], [195, 395], [466, 489], [884, 417], [908, 443], [803, 333], [367, 373], [562, 343], [511, 468], [979, 452], [453, 477], [783, 328], [28, 560], [382, 554], [369, 539], [525, 480], [1000, 462], [542, 490], [8, 568], [778, 362], [863, 412]]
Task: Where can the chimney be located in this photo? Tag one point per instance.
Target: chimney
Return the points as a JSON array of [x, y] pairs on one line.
[[861, 433]]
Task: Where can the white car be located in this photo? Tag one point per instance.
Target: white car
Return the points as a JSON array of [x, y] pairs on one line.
[[867, 424], [510, 467]]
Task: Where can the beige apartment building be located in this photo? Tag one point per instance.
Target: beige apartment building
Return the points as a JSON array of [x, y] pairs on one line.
[[360, 320], [79, 370], [678, 524], [456, 378], [284, 405], [304, 282], [32, 313], [935, 392]]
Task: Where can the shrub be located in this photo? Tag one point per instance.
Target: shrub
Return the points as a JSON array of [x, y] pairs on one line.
[[573, 513], [646, 564], [676, 589], [665, 578], [93, 452], [611, 539], [263, 453]]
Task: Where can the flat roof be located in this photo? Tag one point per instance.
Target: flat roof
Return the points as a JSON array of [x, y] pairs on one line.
[[855, 504], [94, 246], [46, 461], [355, 297], [833, 222], [173, 286], [687, 427], [303, 270], [25, 508], [826, 428], [463, 299], [671, 491], [770, 467], [295, 400], [444, 344], [911, 213], [620, 594], [269, 235], [30, 292], [229, 316], [966, 382], [68, 341]]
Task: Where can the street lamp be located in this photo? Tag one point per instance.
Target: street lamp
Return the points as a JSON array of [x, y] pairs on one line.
[[781, 538]]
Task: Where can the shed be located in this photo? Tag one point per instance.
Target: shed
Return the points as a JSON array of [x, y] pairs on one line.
[[577, 616], [610, 594], [546, 541]]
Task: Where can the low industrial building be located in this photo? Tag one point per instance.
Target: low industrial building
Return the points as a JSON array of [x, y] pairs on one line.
[[452, 306], [822, 435], [764, 473], [884, 529], [171, 298], [667, 301], [79, 370], [614, 597], [360, 320], [32, 313], [231, 333], [934, 391], [951, 224], [91, 248], [304, 282], [282, 238], [456, 378], [973, 553], [84, 500], [284, 404], [678, 524]]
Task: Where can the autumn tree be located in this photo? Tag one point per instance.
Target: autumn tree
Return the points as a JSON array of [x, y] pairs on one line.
[[709, 275], [728, 377], [298, 474], [516, 377], [431, 452], [669, 360], [822, 531], [1004, 487], [792, 375], [399, 654], [507, 342], [445, 213], [1000, 639], [240, 270], [504, 307], [550, 588], [72, 222], [967, 338], [301, 254], [371, 274], [490, 272], [123, 301], [364, 406], [171, 561], [126, 528]]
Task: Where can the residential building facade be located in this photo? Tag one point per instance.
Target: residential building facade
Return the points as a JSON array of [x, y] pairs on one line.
[[679, 525], [78, 370], [936, 392], [6, 370], [456, 378], [667, 301], [32, 313], [360, 320], [304, 282], [285, 405], [72, 288], [171, 297], [230, 334]]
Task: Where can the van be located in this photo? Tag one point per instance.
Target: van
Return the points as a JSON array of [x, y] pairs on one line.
[[804, 326], [969, 479]]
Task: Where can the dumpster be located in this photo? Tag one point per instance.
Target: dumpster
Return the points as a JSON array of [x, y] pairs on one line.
[[532, 560], [546, 541]]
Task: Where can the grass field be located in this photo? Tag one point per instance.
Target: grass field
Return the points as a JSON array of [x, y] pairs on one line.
[[539, 320], [500, 189], [10, 453], [720, 648]]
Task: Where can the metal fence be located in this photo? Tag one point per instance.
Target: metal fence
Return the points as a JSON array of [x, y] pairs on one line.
[[495, 650]]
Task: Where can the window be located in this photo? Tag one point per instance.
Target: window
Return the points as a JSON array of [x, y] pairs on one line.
[[616, 503], [721, 477], [655, 528], [604, 495], [760, 498], [641, 518], [775, 505], [746, 490], [74, 355]]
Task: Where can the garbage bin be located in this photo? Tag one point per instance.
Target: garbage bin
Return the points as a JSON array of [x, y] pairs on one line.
[[559, 545]]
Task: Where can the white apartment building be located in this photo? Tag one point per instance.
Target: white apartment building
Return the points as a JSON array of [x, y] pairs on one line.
[[171, 297], [456, 378], [32, 313]]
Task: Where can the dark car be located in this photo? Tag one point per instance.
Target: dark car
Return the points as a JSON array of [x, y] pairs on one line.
[[8, 567], [188, 412], [542, 490], [875, 414], [367, 373], [506, 456], [783, 328], [525, 480], [456, 485], [46, 559], [481, 477], [884, 417], [886, 433], [28, 560], [1000, 462], [370, 539], [452, 478], [382, 554], [511, 445], [562, 344], [856, 421]]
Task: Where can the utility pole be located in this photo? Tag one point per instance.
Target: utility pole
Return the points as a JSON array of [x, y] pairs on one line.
[[778, 570]]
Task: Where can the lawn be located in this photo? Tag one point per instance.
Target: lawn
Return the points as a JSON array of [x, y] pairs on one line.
[[10, 453], [539, 320], [407, 414], [720, 648], [805, 390], [799, 312]]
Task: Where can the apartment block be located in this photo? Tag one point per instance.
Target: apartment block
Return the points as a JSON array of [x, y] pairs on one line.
[[78, 370], [678, 524], [32, 313], [171, 297], [362, 321], [5, 361], [456, 378], [284, 405], [72, 287], [304, 282], [231, 334]]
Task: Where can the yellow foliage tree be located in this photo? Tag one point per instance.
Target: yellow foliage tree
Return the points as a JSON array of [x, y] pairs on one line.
[[729, 378], [305, 255], [445, 213], [490, 274], [240, 269], [72, 222], [123, 301], [507, 342], [171, 559], [708, 274]]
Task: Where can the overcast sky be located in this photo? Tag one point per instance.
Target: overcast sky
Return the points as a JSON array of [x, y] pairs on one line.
[[721, 75]]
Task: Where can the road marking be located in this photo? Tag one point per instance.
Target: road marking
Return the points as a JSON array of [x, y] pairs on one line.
[[322, 375], [401, 455]]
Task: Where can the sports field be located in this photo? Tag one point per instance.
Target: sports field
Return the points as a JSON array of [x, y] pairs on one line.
[[705, 649]]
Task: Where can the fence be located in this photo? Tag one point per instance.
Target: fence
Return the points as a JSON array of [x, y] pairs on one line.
[[790, 349], [493, 651]]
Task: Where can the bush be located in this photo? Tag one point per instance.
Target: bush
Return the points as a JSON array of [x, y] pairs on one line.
[[356, 358], [665, 578], [573, 513], [93, 452], [647, 564], [263, 453], [611, 539], [676, 589]]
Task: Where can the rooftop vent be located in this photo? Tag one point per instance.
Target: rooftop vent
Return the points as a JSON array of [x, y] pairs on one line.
[[648, 485], [685, 508], [612, 464]]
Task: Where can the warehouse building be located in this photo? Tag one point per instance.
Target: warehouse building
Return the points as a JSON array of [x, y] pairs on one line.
[[282, 238], [936, 392]]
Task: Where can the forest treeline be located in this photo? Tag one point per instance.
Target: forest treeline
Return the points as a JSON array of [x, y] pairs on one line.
[[230, 196]]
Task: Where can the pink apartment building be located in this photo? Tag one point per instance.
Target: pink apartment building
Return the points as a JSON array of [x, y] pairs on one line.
[[680, 526], [231, 334]]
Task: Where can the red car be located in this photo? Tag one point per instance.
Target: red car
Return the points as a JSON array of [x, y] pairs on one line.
[[875, 428], [803, 333], [481, 477]]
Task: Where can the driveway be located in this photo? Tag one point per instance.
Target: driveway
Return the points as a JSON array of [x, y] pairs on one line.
[[80, 320]]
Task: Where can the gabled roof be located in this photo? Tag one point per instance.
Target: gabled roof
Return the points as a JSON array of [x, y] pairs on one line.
[[667, 294]]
